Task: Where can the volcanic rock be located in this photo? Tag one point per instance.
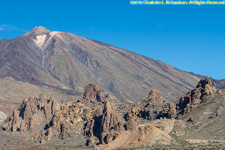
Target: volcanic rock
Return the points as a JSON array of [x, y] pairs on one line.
[[149, 108], [191, 100], [154, 96], [200, 94], [106, 125], [92, 92], [170, 111], [131, 125], [64, 121], [33, 115]]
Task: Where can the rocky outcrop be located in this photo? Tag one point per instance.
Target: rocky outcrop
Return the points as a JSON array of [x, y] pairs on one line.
[[170, 111], [92, 92], [207, 120], [106, 125], [64, 122], [42, 118], [152, 107], [149, 108], [200, 94], [191, 100], [131, 125], [154, 96], [33, 115], [112, 132]]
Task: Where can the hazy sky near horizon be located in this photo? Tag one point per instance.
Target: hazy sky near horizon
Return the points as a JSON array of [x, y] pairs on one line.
[[188, 37]]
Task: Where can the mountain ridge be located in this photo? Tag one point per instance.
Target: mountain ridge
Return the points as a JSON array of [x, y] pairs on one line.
[[68, 62]]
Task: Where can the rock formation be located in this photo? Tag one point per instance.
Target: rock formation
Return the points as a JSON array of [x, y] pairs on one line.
[[99, 119], [92, 93], [42, 118], [33, 115], [191, 100], [170, 111], [106, 125], [154, 96], [149, 108], [64, 121]]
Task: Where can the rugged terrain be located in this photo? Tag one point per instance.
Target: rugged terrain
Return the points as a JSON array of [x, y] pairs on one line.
[[95, 120], [66, 62], [13, 92], [62, 91], [99, 121]]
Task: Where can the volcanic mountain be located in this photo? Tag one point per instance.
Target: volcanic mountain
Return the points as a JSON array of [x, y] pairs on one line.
[[66, 62]]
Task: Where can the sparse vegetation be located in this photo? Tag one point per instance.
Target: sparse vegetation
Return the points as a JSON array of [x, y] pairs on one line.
[[180, 147]]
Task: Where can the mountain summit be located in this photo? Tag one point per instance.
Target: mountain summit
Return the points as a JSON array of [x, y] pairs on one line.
[[67, 62], [37, 31]]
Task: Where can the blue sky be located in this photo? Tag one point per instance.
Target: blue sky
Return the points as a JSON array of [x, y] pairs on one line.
[[188, 37]]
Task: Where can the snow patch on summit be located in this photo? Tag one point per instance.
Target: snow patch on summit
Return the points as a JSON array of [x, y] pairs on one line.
[[40, 40], [55, 33]]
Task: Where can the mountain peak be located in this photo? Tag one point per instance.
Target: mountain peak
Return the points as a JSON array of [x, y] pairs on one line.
[[37, 31]]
